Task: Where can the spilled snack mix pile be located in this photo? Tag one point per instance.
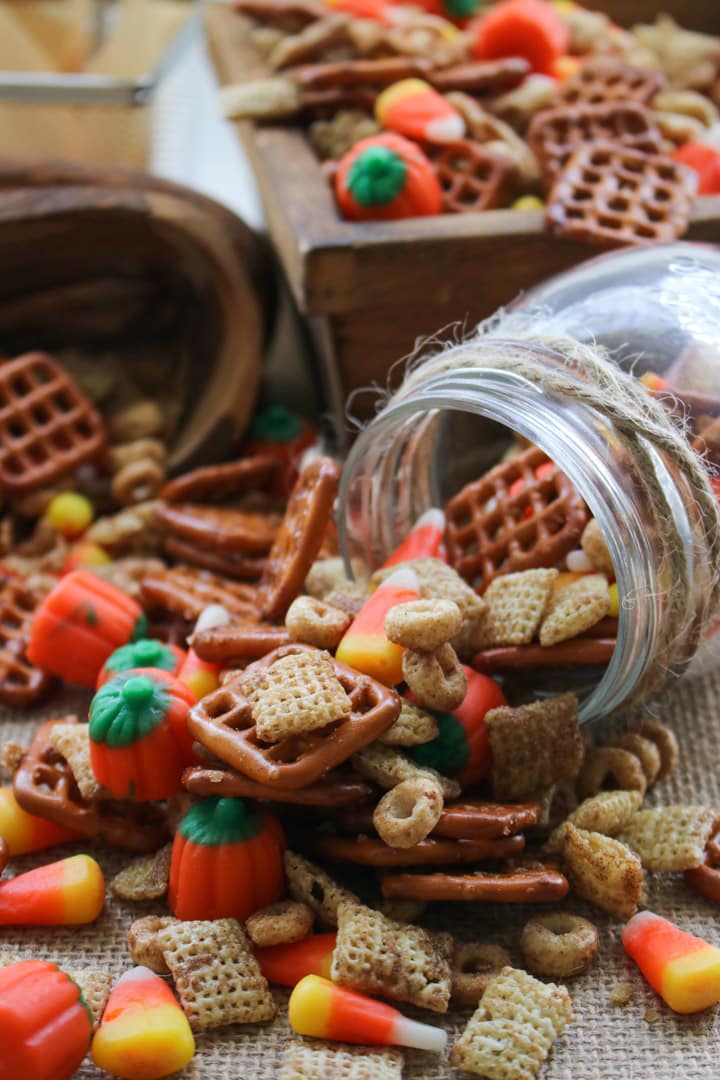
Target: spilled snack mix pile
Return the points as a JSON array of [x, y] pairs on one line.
[[297, 764], [454, 106]]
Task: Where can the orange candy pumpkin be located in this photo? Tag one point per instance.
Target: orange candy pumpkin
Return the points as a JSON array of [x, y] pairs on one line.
[[227, 861], [385, 177]]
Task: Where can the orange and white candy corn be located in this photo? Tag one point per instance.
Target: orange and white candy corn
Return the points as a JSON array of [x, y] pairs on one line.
[[365, 645], [413, 108], [424, 541], [144, 1034], [683, 969]]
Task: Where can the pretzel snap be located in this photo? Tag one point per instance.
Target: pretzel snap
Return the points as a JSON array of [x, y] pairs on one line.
[[423, 625], [520, 885], [436, 679], [367, 851], [557, 945], [409, 812]]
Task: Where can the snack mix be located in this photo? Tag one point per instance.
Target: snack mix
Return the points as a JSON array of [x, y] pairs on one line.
[[458, 106], [293, 765]]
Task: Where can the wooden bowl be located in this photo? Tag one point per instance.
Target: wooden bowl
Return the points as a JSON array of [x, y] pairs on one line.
[[101, 258]]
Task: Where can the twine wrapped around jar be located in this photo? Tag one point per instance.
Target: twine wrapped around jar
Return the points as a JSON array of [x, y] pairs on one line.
[[586, 374]]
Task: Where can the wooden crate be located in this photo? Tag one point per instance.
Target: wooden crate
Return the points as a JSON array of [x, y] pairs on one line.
[[370, 290]]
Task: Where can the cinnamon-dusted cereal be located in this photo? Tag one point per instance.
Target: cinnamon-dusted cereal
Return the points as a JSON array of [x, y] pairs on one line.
[[324, 1061], [423, 625], [610, 766], [375, 955], [474, 964], [216, 975], [144, 944], [534, 746], [386, 767], [280, 924], [595, 547], [310, 885], [604, 871], [299, 692], [413, 727], [575, 608], [558, 945], [604, 813], [666, 743], [645, 750], [516, 604], [316, 622], [95, 988], [511, 1033], [145, 878], [670, 838], [73, 742], [436, 679], [409, 812]]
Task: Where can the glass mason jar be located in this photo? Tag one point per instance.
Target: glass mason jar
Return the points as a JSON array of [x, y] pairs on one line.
[[657, 309]]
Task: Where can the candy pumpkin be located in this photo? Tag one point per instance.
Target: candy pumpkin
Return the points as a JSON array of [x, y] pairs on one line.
[[227, 861], [462, 748], [385, 177], [79, 624], [143, 653], [278, 433], [139, 742], [45, 1023]]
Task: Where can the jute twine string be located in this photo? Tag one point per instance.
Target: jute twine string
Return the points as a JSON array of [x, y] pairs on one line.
[[586, 374]]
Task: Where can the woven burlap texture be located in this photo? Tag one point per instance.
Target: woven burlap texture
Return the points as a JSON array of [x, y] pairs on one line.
[[641, 1040]]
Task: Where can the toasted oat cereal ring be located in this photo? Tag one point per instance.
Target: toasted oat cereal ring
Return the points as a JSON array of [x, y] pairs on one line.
[[436, 679], [558, 945], [423, 625], [610, 768], [666, 743], [367, 851], [473, 966], [316, 623], [646, 751], [137, 482], [519, 885], [141, 420], [333, 789], [408, 813], [4, 854], [280, 924]]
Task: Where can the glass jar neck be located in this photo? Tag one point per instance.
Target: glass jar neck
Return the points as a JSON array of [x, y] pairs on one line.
[[399, 465]]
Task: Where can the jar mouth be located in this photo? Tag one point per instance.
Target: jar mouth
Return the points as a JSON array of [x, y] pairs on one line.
[[578, 440]]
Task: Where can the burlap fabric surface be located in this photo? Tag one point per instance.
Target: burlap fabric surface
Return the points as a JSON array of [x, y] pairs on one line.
[[641, 1040]]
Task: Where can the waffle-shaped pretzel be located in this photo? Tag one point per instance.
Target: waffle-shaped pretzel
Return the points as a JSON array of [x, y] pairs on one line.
[[44, 785], [20, 682], [490, 532], [47, 425], [334, 789], [610, 195], [220, 528], [472, 179], [535, 883], [299, 538], [213, 483], [460, 821], [554, 134], [187, 592], [369, 851], [223, 723], [237, 566], [606, 79]]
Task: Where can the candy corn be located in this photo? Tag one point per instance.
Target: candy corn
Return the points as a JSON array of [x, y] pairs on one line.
[[683, 969], [365, 645], [319, 1008], [65, 893], [424, 540], [144, 1033], [413, 108], [286, 965], [23, 832], [45, 1026], [201, 676]]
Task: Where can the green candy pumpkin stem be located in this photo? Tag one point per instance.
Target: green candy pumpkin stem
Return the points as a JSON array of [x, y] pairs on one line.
[[220, 821], [377, 176], [275, 424], [127, 708], [449, 753]]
